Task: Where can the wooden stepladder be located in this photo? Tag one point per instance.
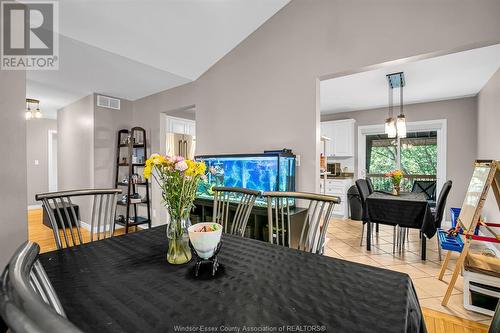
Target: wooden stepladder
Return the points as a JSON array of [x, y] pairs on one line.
[[486, 174]]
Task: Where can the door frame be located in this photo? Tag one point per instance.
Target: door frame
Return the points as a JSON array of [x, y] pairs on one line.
[[53, 184], [438, 125]]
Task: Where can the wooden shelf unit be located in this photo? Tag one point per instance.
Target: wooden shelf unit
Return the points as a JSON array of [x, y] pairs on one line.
[[129, 139]]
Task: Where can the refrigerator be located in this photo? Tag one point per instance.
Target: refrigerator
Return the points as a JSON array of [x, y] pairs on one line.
[[180, 145]]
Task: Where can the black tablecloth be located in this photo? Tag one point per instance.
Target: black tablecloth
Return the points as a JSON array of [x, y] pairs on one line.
[[410, 210], [124, 284]]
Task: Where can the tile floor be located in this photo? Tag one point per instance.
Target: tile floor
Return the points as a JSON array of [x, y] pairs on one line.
[[343, 242]]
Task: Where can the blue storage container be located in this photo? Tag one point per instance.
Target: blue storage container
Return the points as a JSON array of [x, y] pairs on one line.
[[450, 243]]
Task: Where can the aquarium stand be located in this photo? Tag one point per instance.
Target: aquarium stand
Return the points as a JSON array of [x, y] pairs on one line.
[[213, 261]]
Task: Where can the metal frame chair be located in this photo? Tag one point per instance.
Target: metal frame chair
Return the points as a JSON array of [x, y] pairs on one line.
[[65, 222], [319, 213], [223, 197], [28, 302]]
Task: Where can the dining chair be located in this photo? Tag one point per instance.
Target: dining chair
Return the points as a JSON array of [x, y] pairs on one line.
[[223, 197], [316, 219], [364, 191], [28, 302], [370, 185], [438, 212], [428, 187], [371, 189], [64, 219]]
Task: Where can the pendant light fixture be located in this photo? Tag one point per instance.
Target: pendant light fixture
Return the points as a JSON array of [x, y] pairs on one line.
[[390, 124], [396, 127], [32, 113]]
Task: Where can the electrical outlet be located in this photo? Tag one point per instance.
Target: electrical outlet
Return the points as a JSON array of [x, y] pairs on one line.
[[297, 160], [37, 162]]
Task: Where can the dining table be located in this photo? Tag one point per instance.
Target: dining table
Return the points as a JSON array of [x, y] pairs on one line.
[[408, 210], [124, 284]]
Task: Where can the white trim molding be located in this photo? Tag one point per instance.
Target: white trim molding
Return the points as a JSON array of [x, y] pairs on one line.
[[438, 125], [52, 182]]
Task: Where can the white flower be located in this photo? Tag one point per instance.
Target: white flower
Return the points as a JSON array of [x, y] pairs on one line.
[[181, 166]]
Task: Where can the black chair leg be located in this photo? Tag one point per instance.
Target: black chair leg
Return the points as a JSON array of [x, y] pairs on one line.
[[376, 228]]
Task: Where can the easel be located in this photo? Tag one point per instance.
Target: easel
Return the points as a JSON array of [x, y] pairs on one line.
[[486, 173]]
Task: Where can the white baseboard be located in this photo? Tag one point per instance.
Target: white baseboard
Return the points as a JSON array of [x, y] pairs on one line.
[[34, 206]]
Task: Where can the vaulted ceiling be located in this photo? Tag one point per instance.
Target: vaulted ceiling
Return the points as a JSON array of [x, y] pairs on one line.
[[449, 76], [132, 49]]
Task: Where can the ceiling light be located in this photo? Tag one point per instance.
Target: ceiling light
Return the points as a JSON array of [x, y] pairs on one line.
[[401, 126], [396, 128], [30, 113], [390, 128]]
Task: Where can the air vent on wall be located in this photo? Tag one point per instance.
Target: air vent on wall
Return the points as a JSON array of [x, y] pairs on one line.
[[108, 102]]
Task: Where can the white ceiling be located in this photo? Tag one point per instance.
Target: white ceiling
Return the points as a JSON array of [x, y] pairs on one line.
[[446, 77], [132, 49]]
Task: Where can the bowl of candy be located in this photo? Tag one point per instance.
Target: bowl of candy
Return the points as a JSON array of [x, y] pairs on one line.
[[205, 237]]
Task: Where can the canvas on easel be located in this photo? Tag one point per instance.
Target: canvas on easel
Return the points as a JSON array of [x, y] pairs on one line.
[[486, 174]]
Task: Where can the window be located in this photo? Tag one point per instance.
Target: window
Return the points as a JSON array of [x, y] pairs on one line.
[[415, 155]]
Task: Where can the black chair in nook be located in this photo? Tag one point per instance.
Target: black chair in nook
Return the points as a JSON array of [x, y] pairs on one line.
[[364, 192], [438, 212]]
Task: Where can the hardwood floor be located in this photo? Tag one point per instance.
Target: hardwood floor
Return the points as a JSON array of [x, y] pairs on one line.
[[436, 321], [43, 235]]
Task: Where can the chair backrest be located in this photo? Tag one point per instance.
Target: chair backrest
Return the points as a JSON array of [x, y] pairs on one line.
[[363, 189], [364, 192], [317, 218], [370, 185], [28, 302], [64, 219], [425, 186], [441, 203], [223, 198]]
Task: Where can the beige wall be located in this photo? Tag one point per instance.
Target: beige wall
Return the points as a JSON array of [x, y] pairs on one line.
[[37, 148], [461, 116], [263, 94], [488, 144], [107, 123], [87, 141], [76, 145], [75, 150], [13, 223]]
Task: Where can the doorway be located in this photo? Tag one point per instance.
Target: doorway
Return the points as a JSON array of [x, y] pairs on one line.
[[52, 160]]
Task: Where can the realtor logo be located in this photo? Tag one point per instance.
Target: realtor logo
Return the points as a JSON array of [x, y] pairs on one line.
[[29, 37]]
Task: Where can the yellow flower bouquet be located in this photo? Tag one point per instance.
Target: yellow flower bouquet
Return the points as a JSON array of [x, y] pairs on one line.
[[396, 177], [178, 179]]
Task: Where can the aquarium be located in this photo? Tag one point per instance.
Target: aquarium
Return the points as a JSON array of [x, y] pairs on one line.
[[273, 171]]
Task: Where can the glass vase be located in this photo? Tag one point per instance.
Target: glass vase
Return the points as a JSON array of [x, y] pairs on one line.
[[179, 251], [396, 189]]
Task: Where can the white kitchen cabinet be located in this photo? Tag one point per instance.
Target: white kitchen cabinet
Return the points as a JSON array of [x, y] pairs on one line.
[[341, 133], [338, 188], [181, 126]]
